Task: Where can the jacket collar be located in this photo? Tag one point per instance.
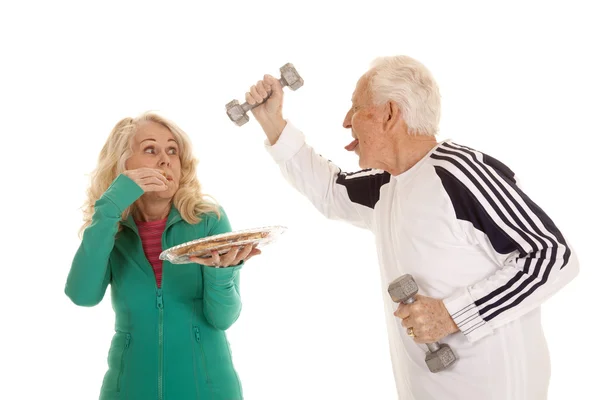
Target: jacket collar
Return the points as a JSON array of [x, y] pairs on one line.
[[173, 217]]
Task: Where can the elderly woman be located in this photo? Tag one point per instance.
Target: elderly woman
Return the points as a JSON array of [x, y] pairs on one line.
[[170, 324]]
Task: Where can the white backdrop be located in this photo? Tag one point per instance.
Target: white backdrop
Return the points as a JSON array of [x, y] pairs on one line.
[[519, 80]]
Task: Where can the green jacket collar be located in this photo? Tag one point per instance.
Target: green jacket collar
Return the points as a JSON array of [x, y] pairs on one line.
[[173, 217]]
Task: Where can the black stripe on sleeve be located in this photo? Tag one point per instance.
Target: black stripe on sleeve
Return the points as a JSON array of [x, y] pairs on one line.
[[364, 186], [509, 177], [467, 208], [502, 205]]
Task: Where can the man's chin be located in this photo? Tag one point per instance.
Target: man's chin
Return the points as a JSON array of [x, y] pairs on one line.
[[362, 163]]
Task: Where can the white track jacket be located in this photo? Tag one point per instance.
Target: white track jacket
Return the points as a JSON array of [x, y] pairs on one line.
[[460, 224]]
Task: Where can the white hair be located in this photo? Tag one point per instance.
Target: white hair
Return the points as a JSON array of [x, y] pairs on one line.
[[411, 85]]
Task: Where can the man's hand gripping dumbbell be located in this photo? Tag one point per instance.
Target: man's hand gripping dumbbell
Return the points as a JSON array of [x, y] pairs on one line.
[[238, 112], [426, 320]]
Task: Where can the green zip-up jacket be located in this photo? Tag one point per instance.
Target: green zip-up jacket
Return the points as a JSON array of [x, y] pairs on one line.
[[169, 343]]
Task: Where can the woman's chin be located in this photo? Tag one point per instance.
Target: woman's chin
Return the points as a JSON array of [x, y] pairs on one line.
[[163, 195]]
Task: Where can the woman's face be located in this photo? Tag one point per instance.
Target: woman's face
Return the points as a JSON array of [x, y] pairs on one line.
[[154, 146]]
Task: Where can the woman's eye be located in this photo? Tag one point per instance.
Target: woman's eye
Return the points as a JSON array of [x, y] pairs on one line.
[[172, 151]]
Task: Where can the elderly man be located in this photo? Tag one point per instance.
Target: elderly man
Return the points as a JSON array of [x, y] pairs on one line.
[[484, 255]]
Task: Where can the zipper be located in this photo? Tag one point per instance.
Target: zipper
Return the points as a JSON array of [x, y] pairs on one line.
[[202, 355], [196, 363], [159, 305], [127, 340]]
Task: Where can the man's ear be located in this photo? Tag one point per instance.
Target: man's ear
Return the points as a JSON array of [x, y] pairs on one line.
[[392, 115]]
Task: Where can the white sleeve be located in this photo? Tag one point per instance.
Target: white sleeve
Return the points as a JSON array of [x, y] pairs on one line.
[[349, 197], [533, 257]]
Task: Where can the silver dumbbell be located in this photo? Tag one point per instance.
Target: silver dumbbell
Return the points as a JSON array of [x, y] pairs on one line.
[[238, 113], [439, 356]]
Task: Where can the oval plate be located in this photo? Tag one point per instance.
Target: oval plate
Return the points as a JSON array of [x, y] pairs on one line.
[[258, 237]]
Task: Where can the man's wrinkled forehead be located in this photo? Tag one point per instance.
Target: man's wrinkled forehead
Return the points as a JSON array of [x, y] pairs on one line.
[[361, 92]]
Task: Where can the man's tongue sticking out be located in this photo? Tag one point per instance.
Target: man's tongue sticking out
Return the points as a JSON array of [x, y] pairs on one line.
[[352, 145]]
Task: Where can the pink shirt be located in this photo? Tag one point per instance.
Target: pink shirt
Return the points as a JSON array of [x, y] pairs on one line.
[[151, 234]]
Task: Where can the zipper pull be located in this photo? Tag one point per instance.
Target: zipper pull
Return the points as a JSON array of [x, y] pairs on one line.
[[127, 340], [159, 299]]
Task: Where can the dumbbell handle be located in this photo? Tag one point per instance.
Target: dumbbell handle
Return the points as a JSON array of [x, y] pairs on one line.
[[433, 347], [247, 107]]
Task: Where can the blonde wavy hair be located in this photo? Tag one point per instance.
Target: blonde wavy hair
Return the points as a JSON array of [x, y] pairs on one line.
[[189, 199]]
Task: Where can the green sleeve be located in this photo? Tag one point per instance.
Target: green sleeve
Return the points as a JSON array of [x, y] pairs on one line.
[[90, 270], [222, 303]]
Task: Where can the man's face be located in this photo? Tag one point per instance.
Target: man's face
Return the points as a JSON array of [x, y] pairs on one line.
[[366, 121]]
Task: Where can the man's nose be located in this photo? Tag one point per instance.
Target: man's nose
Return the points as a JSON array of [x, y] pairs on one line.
[[348, 120]]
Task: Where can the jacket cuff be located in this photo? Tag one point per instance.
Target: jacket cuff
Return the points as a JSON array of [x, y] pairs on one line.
[[289, 143], [465, 314], [221, 275], [123, 192]]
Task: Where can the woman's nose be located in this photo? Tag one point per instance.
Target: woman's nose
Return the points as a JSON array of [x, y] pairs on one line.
[[164, 159]]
